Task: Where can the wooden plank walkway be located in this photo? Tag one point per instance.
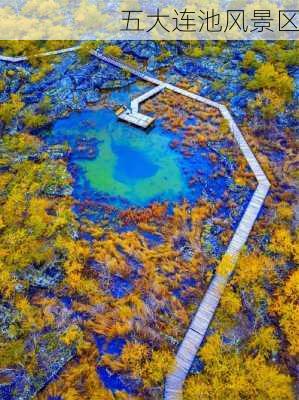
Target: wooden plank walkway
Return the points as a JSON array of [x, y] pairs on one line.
[[135, 118], [135, 103], [200, 323], [206, 310], [47, 54], [119, 64]]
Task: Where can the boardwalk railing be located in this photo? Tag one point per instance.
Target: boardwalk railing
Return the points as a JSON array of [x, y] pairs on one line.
[[206, 310], [119, 64], [47, 54], [135, 103]]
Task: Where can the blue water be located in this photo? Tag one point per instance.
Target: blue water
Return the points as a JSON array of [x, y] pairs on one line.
[[67, 301], [127, 165], [111, 380], [131, 164], [115, 346], [116, 382], [120, 287], [125, 94], [112, 346], [123, 166]]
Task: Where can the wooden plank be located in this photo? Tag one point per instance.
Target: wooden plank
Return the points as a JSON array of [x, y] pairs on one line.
[[136, 118], [47, 54], [135, 103]]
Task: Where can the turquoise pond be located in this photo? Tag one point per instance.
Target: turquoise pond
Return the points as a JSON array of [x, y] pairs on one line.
[[131, 164], [121, 165]]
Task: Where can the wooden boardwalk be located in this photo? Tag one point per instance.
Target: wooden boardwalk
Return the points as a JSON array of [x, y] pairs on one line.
[[135, 103], [136, 118], [206, 310], [119, 64], [133, 116], [47, 54]]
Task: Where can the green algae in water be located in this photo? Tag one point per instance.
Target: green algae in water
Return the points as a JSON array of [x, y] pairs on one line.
[[134, 165]]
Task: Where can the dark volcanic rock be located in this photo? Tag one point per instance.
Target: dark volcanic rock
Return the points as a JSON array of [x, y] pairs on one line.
[[52, 357], [141, 49], [45, 276], [202, 67], [58, 190]]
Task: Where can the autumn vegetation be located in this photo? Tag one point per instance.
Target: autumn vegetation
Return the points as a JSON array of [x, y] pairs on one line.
[[252, 348], [271, 80]]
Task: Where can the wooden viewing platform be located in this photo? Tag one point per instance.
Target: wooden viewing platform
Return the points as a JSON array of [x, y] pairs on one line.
[[135, 118]]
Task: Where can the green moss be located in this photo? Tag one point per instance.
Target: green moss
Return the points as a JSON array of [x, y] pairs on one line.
[[244, 77], [2, 85], [11, 109], [10, 73], [45, 104], [218, 84], [113, 50], [212, 50], [34, 121], [163, 56], [249, 60], [195, 52]]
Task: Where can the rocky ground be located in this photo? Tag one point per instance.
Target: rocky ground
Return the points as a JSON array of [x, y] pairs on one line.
[[72, 85]]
